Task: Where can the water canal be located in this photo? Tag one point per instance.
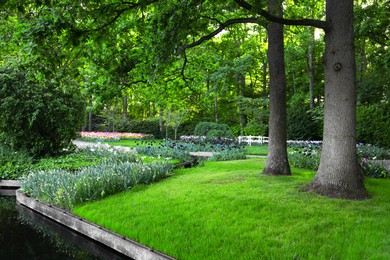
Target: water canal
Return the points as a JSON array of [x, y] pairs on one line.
[[25, 234]]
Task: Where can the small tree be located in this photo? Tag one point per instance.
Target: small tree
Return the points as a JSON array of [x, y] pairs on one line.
[[174, 119]]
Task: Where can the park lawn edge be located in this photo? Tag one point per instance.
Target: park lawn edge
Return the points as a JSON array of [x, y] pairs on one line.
[[228, 210]]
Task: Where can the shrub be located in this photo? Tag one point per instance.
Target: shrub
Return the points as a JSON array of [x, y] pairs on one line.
[[37, 117], [255, 128], [303, 123], [150, 126], [373, 123], [203, 128]]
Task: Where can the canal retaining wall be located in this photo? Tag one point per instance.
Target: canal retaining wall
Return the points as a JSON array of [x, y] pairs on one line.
[[8, 187], [119, 243]]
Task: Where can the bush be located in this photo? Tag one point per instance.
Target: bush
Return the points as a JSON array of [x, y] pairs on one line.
[[150, 126], [37, 117], [303, 123], [373, 124], [255, 128], [222, 130], [13, 164]]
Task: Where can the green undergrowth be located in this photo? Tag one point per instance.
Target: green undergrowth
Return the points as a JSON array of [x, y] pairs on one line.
[[228, 210]]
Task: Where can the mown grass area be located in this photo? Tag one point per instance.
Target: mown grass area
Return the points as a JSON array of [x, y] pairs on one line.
[[228, 210], [257, 150]]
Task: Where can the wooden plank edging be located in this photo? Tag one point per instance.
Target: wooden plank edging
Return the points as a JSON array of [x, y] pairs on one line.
[[119, 243]]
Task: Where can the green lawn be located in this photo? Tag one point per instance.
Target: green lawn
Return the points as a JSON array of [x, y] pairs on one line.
[[257, 150], [227, 210]]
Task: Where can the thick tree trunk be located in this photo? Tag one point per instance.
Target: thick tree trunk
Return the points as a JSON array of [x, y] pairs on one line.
[[277, 161], [339, 174]]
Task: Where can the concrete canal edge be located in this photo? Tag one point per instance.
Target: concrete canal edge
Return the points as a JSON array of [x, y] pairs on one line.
[[119, 243], [10, 184], [8, 187]]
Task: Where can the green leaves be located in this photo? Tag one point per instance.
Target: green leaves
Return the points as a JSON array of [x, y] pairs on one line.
[[39, 118]]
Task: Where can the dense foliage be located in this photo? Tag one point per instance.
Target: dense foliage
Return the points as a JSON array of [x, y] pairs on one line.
[[304, 123], [132, 62], [374, 124], [213, 130], [40, 119]]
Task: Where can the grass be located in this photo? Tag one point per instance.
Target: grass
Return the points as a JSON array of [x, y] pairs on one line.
[[227, 210], [257, 150]]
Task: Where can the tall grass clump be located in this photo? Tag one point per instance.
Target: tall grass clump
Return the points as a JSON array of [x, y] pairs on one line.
[[67, 190]]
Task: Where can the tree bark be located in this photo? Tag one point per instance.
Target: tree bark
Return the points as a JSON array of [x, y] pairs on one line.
[[277, 160], [339, 174]]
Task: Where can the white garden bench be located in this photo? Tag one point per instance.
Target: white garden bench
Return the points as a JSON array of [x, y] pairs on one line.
[[252, 139]]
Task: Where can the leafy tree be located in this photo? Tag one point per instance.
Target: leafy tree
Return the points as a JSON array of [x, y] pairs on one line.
[[37, 117], [174, 118], [338, 174]]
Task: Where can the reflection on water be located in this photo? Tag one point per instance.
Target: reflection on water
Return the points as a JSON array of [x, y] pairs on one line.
[[25, 234]]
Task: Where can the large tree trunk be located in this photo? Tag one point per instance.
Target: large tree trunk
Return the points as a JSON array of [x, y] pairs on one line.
[[277, 161], [339, 174]]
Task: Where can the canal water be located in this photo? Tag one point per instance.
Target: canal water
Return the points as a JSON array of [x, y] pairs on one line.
[[25, 234]]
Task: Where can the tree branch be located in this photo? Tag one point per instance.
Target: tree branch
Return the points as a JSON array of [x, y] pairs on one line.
[[272, 18], [220, 29]]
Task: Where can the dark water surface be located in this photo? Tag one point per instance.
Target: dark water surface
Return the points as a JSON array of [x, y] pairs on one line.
[[25, 234]]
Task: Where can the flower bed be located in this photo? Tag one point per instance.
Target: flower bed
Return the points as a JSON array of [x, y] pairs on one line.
[[112, 136]]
